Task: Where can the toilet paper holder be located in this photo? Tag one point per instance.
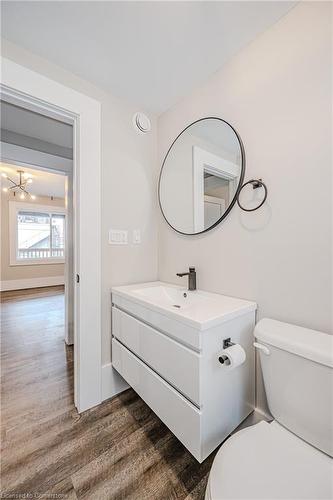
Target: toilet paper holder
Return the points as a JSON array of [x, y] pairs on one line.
[[226, 343]]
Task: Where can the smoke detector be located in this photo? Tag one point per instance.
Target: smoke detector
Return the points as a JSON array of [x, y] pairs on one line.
[[141, 123]]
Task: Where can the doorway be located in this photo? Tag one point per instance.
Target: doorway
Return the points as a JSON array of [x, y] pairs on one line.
[[37, 187], [37, 229], [24, 88]]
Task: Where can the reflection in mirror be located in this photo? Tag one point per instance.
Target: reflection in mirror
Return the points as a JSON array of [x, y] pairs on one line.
[[201, 175], [216, 196]]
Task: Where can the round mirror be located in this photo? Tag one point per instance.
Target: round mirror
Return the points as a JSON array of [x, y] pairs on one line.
[[201, 176]]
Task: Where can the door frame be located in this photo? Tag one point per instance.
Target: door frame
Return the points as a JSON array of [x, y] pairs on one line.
[[205, 161], [35, 91]]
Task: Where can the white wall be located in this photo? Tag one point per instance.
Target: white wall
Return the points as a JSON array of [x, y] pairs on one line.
[[128, 194], [177, 178], [277, 94]]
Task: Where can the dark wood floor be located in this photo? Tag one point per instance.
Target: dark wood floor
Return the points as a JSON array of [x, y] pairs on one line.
[[117, 450]]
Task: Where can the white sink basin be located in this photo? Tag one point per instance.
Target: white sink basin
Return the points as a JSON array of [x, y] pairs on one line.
[[170, 296], [198, 308]]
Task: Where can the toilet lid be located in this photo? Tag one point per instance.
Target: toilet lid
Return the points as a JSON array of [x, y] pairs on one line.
[[267, 461]]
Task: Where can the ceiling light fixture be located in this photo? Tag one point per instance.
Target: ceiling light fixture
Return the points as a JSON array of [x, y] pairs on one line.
[[20, 186]]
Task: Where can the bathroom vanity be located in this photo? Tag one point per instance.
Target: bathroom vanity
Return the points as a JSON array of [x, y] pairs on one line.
[[167, 344]]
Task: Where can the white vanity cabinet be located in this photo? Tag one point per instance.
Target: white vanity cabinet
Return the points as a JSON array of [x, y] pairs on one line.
[[166, 344]]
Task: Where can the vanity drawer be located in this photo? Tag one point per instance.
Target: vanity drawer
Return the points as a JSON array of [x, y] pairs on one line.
[[176, 363], [180, 416], [184, 333]]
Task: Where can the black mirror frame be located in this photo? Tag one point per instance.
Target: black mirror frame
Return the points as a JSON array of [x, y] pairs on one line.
[[240, 183]]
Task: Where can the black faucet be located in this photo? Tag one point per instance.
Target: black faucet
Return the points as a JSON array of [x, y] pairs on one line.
[[192, 278]]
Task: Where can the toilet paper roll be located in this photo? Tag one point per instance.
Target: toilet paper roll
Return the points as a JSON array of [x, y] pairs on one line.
[[233, 356]]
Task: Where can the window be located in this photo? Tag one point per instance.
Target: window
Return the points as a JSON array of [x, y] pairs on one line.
[[37, 234]]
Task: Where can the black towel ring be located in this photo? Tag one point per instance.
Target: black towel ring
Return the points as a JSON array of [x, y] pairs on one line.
[[256, 183]]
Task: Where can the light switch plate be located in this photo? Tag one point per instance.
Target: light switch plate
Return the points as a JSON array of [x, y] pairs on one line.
[[118, 237], [136, 236]]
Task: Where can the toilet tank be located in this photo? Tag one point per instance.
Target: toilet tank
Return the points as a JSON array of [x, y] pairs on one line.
[[297, 366]]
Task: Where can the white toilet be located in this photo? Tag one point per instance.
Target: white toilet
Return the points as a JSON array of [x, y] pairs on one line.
[[289, 458]]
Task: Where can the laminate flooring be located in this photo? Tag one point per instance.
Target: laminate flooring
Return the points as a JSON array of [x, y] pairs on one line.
[[117, 450]]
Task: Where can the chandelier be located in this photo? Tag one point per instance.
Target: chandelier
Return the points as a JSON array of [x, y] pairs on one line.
[[20, 186]]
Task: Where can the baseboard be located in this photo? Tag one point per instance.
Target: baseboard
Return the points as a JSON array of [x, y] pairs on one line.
[[112, 382], [31, 283]]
